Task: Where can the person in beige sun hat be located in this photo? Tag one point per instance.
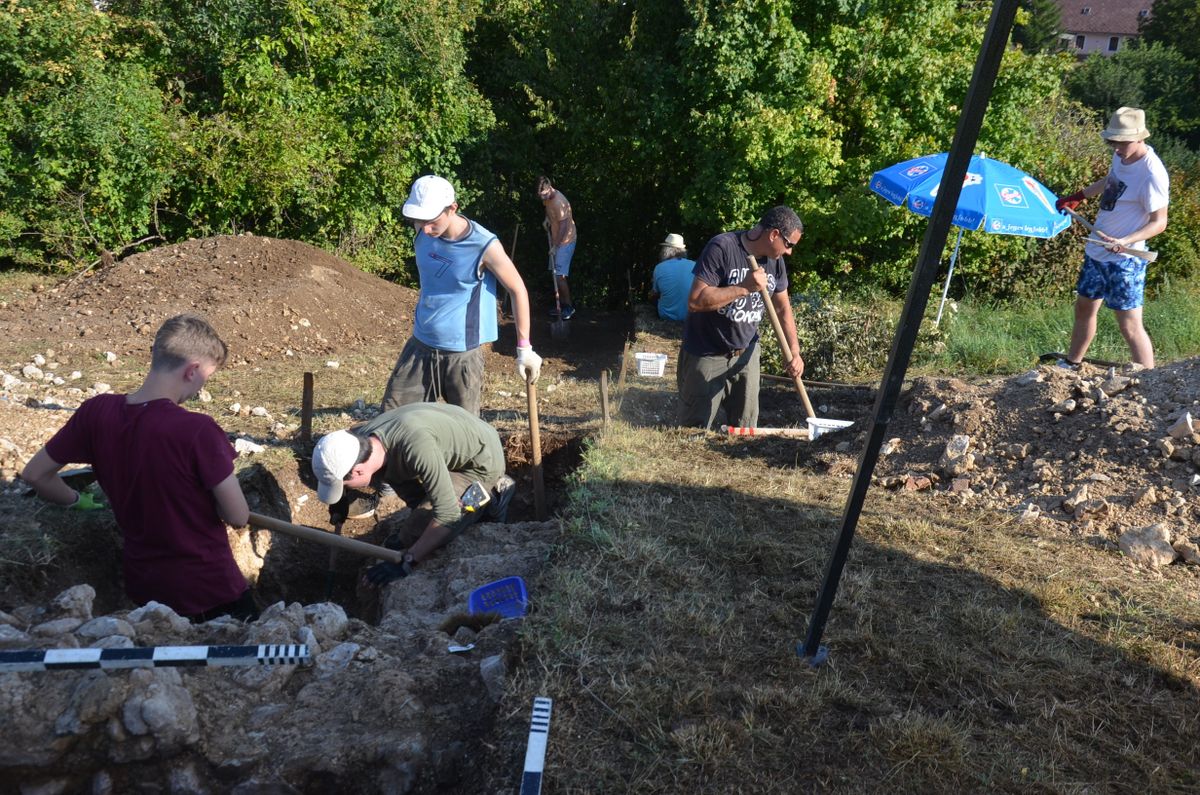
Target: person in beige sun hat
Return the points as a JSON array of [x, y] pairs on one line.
[[1133, 208]]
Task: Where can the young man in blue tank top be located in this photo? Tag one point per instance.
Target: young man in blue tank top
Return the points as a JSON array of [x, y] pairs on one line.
[[459, 263]]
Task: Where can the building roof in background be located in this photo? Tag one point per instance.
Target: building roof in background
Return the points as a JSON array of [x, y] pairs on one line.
[[1114, 17]]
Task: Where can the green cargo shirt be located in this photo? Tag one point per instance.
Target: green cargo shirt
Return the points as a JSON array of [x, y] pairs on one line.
[[425, 442]]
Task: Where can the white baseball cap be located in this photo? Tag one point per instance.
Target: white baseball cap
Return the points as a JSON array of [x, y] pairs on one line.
[[332, 459], [429, 196]]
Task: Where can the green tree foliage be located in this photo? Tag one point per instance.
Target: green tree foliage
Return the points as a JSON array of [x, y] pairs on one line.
[[1175, 23], [86, 145], [1037, 29], [695, 117], [1157, 78], [311, 118]]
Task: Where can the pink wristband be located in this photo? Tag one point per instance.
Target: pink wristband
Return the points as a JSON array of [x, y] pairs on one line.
[[522, 343]]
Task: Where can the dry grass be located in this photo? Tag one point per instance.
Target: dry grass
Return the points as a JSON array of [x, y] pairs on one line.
[[967, 653]]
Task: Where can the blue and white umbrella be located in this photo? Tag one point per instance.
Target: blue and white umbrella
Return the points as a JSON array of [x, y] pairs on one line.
[[996, 198]]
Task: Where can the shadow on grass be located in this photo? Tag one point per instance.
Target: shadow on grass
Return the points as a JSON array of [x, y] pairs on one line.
[[964, 656]]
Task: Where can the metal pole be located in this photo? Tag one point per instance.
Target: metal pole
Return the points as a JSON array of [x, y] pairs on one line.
[[945, 290], [987, 65]]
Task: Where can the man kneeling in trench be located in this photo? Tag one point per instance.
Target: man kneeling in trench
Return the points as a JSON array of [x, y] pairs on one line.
[[430, 453]]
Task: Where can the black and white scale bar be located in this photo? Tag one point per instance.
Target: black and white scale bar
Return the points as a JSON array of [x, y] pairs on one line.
[[535, 752], [154, 657]]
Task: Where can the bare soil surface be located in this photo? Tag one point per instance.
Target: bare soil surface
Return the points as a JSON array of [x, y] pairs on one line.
[[284, 308]]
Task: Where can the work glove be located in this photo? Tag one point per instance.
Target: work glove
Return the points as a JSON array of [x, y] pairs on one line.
[[86, 501], [1070, 202], [529, 364], [381, 574]]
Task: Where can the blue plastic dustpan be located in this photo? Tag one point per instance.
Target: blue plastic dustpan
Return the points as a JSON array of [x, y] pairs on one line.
[[507, 597]]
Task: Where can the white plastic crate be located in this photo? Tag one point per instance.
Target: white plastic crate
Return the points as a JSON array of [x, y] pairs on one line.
[[651, 364]]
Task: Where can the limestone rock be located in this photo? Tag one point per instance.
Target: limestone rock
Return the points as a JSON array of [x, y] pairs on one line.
[[957, 459], [13, 638], [104, 626], [1115, 384], [1145, 496], [1148, 546], [337, 658], [56, 627], [1182, 427], [154, 617], [76, 601], [328, 621], [1079, 495], [493, 671], [162, 708], [1063, 407], [1188, 551]]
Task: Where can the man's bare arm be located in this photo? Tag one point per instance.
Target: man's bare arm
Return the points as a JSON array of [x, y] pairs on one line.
[[42, 474], [231, 502]]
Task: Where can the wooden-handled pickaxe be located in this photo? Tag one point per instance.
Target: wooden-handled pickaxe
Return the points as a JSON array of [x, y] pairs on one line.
[[1149, 256], [326, 538]]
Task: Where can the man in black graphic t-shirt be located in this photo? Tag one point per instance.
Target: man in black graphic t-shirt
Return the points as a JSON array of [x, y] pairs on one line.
[[719, 359]]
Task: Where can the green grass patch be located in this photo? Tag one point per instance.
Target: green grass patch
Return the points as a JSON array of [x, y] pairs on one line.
[[849, 337], [984, 338]]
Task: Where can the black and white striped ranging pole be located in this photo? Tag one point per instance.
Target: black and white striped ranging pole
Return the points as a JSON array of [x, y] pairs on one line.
[[153, 657], [535, 752]]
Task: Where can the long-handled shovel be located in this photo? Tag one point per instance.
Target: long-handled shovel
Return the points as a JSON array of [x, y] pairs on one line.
[[558, 326], [783, 346], [535, 445]]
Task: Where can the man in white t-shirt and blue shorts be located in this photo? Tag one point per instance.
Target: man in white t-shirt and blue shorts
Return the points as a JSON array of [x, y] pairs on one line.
[[1133, 208]]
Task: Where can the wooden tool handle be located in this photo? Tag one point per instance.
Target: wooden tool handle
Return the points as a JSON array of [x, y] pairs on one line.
[[1148, 256], [535, 449], [784, 350], [328, 539], [1085, 223]]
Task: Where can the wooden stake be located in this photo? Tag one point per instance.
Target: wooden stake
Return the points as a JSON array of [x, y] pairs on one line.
[[604, 398], [306, 409], [624, 367]]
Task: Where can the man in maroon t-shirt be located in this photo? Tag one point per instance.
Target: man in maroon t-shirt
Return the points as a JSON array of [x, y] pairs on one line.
[[168, 474]]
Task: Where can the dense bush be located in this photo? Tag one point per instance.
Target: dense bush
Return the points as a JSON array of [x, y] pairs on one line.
[[87, 146]]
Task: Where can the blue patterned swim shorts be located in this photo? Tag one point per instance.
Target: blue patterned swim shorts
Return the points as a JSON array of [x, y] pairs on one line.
[[1122, 284]]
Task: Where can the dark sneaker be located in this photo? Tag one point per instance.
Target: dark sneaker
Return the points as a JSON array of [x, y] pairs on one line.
[[568, 312], [502, 494], [362, 507], [385, 491]]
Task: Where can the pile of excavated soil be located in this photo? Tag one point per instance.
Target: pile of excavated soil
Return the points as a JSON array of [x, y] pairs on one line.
[[266, 297], [1090, 451]]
